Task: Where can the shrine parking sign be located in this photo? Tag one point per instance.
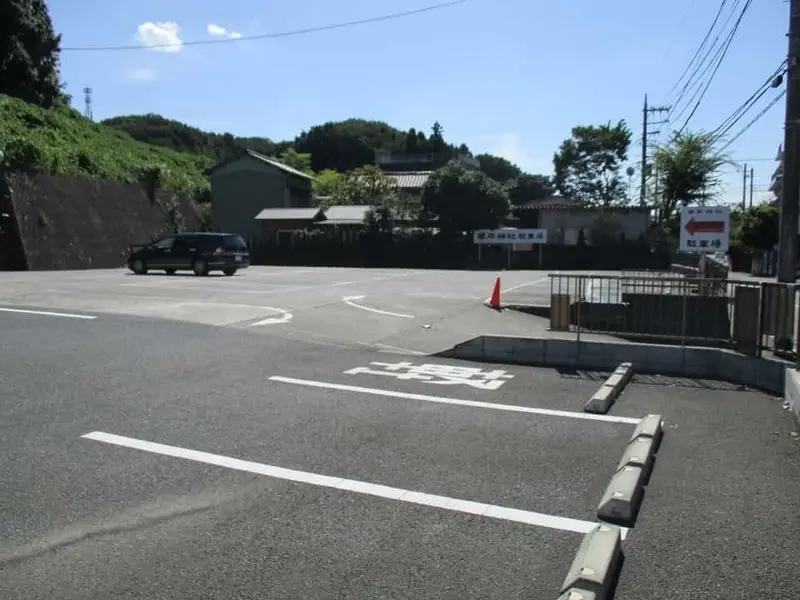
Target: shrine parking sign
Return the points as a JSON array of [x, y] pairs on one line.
[[705, 229]]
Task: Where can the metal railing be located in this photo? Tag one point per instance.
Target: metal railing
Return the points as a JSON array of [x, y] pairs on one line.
[[664, 307]]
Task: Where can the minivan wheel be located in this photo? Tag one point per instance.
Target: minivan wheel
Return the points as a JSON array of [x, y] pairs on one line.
[[139, 267], [200, 267], [229, 271]]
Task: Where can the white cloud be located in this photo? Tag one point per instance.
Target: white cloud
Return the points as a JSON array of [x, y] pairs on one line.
[[141, 74], [219, 31], [163, 37], [511, 147]]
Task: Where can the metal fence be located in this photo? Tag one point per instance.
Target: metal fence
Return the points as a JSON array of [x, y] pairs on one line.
[[685, 309]]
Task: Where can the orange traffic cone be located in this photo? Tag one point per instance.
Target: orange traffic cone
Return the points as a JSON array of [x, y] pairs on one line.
[[494, 300]]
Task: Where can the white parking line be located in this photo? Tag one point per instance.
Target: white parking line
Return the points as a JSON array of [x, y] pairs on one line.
[[351, 485], [351, 301], [457, 402], [522, 285], [47, 313]]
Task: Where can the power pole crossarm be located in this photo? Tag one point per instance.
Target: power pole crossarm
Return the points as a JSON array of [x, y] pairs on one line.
[[790, 188]]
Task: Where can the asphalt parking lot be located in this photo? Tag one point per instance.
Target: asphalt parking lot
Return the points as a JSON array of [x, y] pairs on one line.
[[181, 437], [154, 459], [415, 310]]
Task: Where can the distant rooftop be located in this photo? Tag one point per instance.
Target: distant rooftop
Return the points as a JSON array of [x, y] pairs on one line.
[[410, 180]]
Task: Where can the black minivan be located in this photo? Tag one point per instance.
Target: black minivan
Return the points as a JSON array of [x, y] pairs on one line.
[[198, 252]]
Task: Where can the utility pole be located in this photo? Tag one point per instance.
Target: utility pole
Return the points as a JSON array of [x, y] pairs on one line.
[[647, 113], [790, 188], [744, 187], [751, 187]]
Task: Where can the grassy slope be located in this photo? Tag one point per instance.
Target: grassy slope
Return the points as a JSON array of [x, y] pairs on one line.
[[61, 140]]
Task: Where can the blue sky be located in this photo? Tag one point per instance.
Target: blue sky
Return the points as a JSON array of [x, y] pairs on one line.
[[511, 77]]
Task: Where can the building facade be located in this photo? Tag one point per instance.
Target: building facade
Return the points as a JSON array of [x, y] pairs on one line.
[[244, 187]]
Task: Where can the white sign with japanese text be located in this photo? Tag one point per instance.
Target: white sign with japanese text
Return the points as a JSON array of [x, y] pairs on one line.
[[705, 229], [510, 236], [437, 374]]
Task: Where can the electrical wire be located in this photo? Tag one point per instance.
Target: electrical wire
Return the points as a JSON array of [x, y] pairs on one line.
[[723, 128], [700, 49], [744, 129], [696, 79], [727, 46], [269, 36]]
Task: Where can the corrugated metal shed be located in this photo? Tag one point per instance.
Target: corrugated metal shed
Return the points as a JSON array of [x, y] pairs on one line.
[[345, 215], [279, 165], [288, 214], [410, 180]]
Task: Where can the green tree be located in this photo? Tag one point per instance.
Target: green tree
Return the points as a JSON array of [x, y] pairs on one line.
[[588, 164], [498, 168], [689, 172], [757, 227], [436, 141], [363, 186], [412, 142], [527, 188], [327, 182], [296, 160], [463, 200], [29, 52]]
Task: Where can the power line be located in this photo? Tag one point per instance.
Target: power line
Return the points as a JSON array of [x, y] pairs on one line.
[[269, 36], [695, 81], [700, 49], [727, 46], [772, 82], [754, 121]]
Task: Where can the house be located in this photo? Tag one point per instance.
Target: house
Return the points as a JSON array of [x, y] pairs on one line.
[[244, 187], [564, 221], [410, 172], [276, 223]]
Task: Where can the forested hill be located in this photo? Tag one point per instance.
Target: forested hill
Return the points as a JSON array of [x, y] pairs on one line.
[[341, 146]]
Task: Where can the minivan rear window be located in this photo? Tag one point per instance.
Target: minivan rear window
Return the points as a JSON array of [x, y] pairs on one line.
[[234, 243]]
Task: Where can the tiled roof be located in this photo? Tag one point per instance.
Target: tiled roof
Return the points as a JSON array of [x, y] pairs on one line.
[[288, 214], [279, 165], [410, 179], [347, 214]]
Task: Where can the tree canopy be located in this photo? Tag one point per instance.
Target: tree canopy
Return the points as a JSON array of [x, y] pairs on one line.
[[29, 52], [757, 228], [461, 200], [588, 165], [688, 172]]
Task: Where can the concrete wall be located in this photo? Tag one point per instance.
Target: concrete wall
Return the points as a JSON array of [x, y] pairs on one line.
[[563, 225], [68, 223], [759, 373]]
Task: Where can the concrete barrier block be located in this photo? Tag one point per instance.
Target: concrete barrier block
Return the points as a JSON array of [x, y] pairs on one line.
[[650, 427], [623, 497], [640, 452], [605, 397], [596, 564], [576, 594]]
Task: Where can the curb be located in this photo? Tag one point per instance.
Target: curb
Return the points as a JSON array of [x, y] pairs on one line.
[[595, 568], [608, 393], [623, 497]]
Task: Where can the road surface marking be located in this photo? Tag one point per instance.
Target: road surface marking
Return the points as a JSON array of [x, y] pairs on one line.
[[522, 285], [47, 313], [350, 485], [284, 316], [456, 401], [351, 301]]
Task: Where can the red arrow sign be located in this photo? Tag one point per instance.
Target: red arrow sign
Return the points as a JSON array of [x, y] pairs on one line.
[[705, 226]]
